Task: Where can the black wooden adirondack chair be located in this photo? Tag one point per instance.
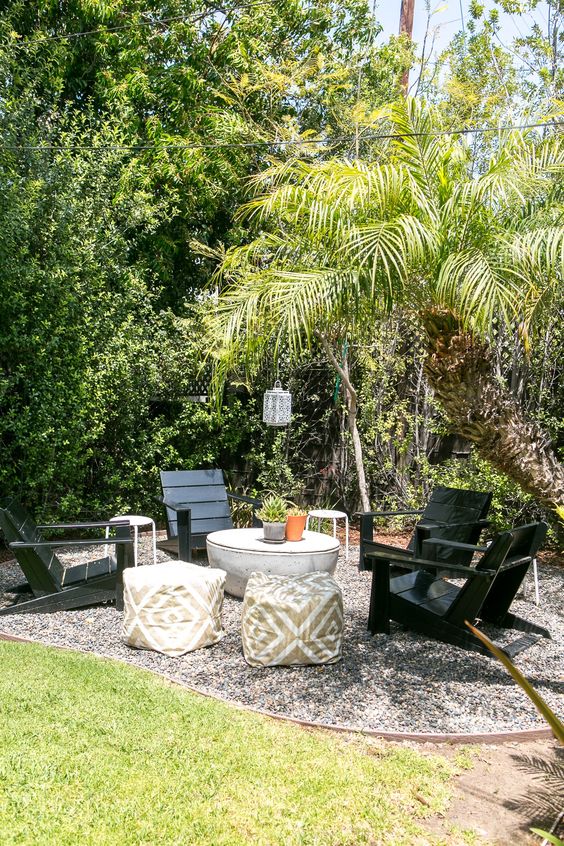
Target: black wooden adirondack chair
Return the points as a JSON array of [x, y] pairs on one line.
[[434, 606], [463, 512], [54, 586], [196, 503]]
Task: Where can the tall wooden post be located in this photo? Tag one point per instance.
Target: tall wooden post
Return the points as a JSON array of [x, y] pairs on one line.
[[406, 26]]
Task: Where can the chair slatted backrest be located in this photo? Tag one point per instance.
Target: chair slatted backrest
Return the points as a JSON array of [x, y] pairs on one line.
[[525, 544], [204, 492], [450, 514], [41, 567], [462, 510], [508, 556], [472, 595], [449, 504]]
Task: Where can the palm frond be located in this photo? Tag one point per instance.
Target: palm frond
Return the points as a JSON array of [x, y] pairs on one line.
[[477, 289], [391, 249], [418, 146], [538, 258], [339, 239]]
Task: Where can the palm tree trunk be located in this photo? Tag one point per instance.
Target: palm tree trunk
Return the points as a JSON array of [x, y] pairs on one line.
[[352, 403], [461, 370]]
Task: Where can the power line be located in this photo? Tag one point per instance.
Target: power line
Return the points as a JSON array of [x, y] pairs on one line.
[[202, 145], [189, 18], [105, 29]]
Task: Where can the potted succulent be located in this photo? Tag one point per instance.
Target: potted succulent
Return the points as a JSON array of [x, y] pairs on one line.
[[273, 516], [295, 523]]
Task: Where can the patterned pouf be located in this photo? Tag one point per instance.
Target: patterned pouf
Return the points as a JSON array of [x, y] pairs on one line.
[[172, 608], [292, 620]]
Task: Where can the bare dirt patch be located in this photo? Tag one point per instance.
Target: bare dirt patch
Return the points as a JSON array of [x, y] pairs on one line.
[[502, 793]]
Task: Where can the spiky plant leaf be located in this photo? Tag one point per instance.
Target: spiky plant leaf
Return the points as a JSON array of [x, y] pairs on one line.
[[551, 838]]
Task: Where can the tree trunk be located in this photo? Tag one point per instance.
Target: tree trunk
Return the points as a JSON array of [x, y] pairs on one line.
[[461, 370], [406, 28], [351, 399]]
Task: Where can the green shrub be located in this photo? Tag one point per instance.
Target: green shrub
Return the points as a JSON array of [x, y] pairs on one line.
[[94, 378]]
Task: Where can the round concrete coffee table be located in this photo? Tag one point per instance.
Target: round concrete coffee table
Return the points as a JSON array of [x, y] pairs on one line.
[[241, 552]]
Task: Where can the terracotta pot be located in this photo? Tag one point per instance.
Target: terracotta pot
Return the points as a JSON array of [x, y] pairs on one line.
[[295, 525]]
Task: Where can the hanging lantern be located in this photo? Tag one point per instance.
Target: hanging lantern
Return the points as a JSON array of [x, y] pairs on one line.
[[277, 406]]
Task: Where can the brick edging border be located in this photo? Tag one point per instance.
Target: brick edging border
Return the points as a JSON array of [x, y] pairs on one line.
[[520, 736]]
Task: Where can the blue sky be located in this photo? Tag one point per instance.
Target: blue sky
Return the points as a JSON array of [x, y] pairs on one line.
[[448, 19]]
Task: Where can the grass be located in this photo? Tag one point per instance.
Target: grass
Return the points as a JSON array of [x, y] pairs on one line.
[[96, 752], [466, 755]]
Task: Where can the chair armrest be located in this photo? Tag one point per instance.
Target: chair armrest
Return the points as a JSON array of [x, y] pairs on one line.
[[58, 544], [384, 547], [434, 524], [250, 500], [176, 506], [386, 513], [458, 570], [243, 498], [453, 544], [96, 525], [169, 503], [392, 557], [367, 542]]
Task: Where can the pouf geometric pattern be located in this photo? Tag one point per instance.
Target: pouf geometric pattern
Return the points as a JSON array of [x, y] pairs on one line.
[[290, 620], [172, 608]]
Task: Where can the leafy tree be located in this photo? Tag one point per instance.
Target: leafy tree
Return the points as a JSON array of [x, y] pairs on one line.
[[76, 313], [538, 50], [183, 77], [475, 79], [417, 230], [122, 137], [483, 78], [93, 379]]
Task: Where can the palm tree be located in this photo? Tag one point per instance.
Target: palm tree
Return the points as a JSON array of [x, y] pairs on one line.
[[471, 254]]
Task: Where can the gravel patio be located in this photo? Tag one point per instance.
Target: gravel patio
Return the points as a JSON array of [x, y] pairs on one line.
[[402, 683]]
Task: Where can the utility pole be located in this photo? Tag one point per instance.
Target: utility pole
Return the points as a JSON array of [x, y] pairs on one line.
[[406, 27]]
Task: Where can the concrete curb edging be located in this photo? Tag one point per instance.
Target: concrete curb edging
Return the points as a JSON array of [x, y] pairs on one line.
[[520, 736]]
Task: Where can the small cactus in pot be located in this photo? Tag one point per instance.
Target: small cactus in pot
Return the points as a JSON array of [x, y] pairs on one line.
[[273, 515]]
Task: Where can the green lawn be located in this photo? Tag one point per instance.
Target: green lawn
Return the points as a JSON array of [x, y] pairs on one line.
[[96, 752]]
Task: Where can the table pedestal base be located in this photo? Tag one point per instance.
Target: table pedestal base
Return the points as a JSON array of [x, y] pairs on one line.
[[241, 552]]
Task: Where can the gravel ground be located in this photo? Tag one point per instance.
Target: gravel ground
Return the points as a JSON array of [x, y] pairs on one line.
[[397, 683]]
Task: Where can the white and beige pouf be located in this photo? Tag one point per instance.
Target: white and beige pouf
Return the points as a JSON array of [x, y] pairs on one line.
[[172, 608], [292, 620]]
